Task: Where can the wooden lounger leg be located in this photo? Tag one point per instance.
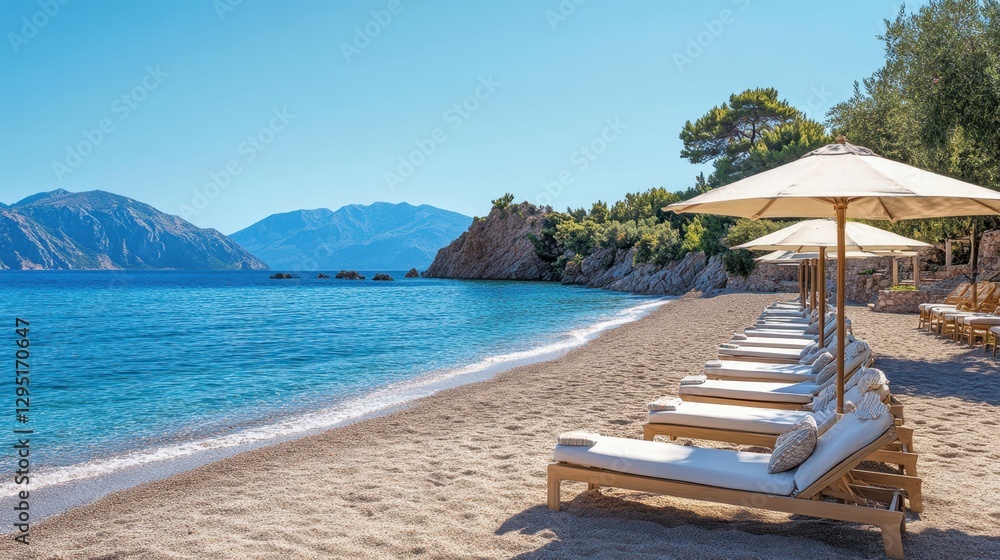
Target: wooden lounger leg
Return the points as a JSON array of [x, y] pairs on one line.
[[910, 484], [892, 534], [554, 489]]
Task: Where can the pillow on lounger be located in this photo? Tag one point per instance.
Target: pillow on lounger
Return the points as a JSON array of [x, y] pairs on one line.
[[809, 349], [824, 359], [827, 372], [794, 446], [577, 438]]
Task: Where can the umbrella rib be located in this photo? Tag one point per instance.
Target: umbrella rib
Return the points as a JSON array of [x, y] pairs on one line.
[[981, 203], [764, 209], [886, 209]]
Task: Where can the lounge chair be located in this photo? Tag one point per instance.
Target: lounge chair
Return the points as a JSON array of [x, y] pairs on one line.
[[765, 394], [943, 316], [731, 351], [971, 327], [761, 426], [956, 297], [992, 336], [742, 478], [735, 370]]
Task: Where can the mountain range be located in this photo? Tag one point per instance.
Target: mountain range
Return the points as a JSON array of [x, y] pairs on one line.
[[99, 230], [379, 236]]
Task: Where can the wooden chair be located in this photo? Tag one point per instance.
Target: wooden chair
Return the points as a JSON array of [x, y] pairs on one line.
[[853, 494], [987, 300], [991, 338], [972, 327], [954, 298]]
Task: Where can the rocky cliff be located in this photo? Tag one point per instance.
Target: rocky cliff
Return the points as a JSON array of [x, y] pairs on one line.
[[496, 247], [99, 230]]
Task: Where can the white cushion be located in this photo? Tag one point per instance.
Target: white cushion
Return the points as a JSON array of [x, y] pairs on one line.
[[730, 417], [775, 342], [712, 467], [983, 321], [785, 354], [841, 441], [776, 372], [777, 333], [752, 390]]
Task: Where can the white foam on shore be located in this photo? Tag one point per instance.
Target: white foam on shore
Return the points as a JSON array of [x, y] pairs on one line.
[[380, 400]]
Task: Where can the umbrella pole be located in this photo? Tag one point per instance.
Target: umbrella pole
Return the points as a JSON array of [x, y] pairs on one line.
[[812, 281], [822, 297], [802, 285], [841, 207]]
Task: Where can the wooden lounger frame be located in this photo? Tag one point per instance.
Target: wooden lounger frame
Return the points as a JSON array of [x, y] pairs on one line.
[[899, 453], [840, 483]]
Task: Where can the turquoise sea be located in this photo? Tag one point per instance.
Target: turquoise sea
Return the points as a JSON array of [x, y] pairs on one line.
[[130, 368]]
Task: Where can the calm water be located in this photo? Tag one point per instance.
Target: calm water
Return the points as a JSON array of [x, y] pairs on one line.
[[129, 368]]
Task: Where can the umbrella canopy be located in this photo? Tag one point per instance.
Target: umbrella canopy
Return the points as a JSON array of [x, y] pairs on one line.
[[844, 181], [871, 187], [793, 257], [811, 235]]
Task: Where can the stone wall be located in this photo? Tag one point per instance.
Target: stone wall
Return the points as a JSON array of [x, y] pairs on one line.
[[900, 301]]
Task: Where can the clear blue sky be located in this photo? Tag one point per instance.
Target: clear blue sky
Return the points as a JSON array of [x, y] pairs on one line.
[[313, 114]]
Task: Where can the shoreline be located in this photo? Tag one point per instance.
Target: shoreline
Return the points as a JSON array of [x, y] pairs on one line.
[[461, 473], [84, 483]]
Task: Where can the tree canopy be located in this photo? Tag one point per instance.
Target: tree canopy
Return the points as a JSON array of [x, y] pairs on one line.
[[935, 103]]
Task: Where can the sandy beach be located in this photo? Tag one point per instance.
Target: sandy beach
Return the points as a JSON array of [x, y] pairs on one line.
[[461, 474]]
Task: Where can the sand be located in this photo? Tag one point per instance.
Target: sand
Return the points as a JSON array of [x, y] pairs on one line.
[[461, 474]]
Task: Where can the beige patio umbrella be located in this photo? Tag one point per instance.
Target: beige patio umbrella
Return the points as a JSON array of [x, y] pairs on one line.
[[817, 235], [844, 181]]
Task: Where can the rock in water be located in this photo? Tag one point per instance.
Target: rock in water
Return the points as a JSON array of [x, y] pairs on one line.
[[413, 273], [349, 275], [281, 276], [322, 276], [496, 248], [382, 277]]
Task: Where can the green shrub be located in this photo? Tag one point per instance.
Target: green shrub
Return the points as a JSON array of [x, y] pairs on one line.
[[903, 288], [867, 272], [503, 202], [738, 262], [658, 244]]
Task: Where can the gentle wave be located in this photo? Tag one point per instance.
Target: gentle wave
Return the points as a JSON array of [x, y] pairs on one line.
[[383, 399]]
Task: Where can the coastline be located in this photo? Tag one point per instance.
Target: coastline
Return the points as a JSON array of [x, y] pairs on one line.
[[461, 473], [82, 484]]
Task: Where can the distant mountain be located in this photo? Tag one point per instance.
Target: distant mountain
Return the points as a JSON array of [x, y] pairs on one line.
[[381, 236], [99, 230]]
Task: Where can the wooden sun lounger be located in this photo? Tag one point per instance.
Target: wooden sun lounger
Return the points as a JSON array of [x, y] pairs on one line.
[[840, 483], [956, 297], [899, 453]]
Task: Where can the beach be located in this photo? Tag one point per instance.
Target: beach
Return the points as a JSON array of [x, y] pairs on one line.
[[461, 474]]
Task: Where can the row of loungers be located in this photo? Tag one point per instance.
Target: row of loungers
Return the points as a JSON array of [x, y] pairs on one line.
[[743, 399], [966, 315]]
